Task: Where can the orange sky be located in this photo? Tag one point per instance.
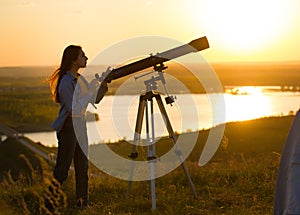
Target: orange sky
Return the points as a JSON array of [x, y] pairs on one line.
[[35, 32]]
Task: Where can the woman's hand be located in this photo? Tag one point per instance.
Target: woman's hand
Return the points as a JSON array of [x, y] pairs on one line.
[[94, 84], [104, 75]]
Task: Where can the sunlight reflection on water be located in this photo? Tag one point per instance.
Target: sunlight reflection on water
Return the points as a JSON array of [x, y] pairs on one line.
[[239, 107]]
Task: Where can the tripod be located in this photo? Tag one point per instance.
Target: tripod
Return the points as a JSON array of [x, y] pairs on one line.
[[145, 101]]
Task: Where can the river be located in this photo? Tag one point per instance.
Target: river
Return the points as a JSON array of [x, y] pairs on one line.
[[189, 112]]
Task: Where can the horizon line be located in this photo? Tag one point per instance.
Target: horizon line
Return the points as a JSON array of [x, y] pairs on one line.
[[212, 62]]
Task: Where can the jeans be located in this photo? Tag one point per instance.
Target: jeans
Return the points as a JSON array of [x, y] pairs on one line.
[[73, 144]]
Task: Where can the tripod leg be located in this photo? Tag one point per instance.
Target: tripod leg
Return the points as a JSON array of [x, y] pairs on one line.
[[151, 151], [152, 176], [150, 139], [147, 130], [138, 126], [172, 135], [137, 136], [153, 155]]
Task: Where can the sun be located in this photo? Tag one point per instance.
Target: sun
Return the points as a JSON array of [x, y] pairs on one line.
[[243, 25]]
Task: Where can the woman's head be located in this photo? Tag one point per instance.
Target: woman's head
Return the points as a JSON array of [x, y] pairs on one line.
[[71, 56]]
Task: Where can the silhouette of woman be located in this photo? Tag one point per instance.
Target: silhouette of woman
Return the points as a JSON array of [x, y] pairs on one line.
[[73, 92]]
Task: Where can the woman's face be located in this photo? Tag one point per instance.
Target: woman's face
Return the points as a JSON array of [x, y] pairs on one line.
[[81, 60]]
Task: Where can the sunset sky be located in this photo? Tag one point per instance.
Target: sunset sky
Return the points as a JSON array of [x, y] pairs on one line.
[[35, 32]]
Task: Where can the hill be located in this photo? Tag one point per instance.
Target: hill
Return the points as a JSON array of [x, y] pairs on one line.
[[238, 180], [230, 73], [18, 159]]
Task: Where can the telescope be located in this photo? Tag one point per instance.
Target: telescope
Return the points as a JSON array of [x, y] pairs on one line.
[[155, 61]]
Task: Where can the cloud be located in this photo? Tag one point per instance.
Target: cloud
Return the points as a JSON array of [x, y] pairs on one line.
[[27, 3]]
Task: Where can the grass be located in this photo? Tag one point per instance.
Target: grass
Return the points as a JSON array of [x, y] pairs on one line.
[[239, 179], [28, 110]]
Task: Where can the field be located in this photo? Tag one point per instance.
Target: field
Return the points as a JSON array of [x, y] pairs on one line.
[[240, 178]]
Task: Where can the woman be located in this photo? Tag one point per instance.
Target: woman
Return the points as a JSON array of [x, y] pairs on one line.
[[72, 91]]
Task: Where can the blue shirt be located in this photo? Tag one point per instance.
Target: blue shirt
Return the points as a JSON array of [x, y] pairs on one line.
[[73, 99]]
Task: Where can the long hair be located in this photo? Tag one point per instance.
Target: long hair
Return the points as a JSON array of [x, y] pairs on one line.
[[70, 54]]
